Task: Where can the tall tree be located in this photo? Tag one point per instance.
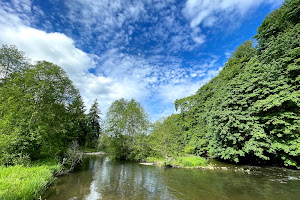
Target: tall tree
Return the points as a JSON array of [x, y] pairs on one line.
[[166, 137], [34, 112], [126, 121], [78, 124], [94, 122], [250, 111], [11, 60]]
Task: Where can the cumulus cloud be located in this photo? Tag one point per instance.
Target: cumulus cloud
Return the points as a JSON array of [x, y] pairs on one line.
[[59, 49]]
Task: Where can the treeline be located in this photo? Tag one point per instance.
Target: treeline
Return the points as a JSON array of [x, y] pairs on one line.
[[41, 112], [249, 113], [129, 134]]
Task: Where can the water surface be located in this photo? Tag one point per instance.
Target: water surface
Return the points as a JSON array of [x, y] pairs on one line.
[[101, 178]]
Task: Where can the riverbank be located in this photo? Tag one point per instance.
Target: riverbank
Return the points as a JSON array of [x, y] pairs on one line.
[[26, 182], [187, 161], [94, 153], [192, 162]]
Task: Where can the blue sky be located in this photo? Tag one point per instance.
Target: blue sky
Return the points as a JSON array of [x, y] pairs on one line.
[[155, 51]]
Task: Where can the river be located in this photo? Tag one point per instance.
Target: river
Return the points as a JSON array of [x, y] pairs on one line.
[[99, 177]]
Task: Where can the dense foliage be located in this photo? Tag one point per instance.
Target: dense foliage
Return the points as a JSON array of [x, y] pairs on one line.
[[251, 110], [166, 138], [41, 111], [126, 126]]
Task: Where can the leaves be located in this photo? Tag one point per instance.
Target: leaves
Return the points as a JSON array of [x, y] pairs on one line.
[[250, 112], [40, 109]]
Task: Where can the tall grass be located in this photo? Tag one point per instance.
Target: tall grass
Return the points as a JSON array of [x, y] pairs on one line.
[[186, 161], [21, 182], [190, 161]]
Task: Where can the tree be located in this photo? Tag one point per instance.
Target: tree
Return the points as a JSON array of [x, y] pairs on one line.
[[126, 121], [94, 123], [250, 111], [78, 124], [11, 60], [166, 137], [34, 109]]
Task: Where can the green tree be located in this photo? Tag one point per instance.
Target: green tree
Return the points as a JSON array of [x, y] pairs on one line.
[[166, 137], [11, 60], [250, 111], [78, 121], [94, 124], [34, 110], [126, 121]]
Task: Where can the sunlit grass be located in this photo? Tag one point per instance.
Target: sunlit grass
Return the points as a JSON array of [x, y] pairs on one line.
[[187, 161], [190, 161], [21, 182], [155, 160]]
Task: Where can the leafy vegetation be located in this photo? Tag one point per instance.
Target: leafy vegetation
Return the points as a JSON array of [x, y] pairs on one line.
[[166, 138], [250, 111], [188, 162], [21, 182], [41, 110], [41, 115], [126, 126]]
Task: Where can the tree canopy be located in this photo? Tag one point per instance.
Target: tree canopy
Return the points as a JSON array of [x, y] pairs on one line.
[[41, 110], [126, 124], [250, 112]]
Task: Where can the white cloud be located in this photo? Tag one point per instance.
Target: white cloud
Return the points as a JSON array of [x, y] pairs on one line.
[[208, 13], [156, 81], [59, 49]]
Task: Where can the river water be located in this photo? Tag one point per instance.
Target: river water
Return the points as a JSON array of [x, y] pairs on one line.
[[99, 177]]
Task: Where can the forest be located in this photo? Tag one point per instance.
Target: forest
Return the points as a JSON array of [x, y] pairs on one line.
[[249, 113]]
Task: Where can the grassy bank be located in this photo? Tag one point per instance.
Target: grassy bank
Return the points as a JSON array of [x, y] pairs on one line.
[[21, 182], [187, 161]]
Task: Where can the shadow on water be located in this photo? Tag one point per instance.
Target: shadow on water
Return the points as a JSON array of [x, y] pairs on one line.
[[101, 178]]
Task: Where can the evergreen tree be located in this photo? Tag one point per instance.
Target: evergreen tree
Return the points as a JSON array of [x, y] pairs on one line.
[[94, 123]]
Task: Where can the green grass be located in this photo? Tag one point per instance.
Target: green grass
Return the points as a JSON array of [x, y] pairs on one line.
[[190, 162], [155, 160], [187, 161], [21, 182]]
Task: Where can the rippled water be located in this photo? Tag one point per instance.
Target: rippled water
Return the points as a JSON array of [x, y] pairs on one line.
[[101, 178]]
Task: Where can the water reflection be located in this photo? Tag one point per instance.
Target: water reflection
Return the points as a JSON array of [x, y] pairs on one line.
[[102, 178]]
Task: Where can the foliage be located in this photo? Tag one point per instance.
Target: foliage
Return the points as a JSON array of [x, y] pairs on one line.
[[11, 61], [155, 159], [20, 182], [41, 111], [166, 137], [89, 136], [126, 125], [250, 112]]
